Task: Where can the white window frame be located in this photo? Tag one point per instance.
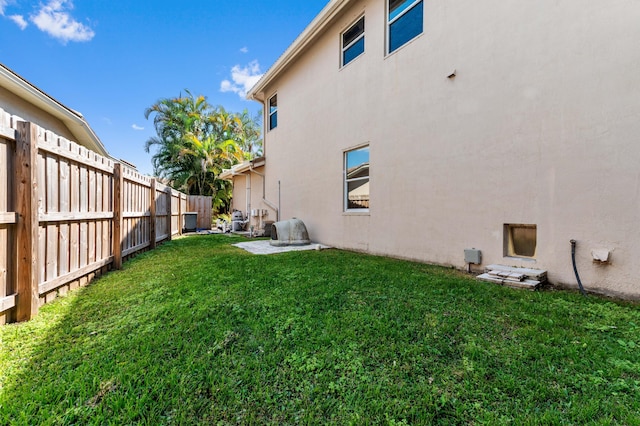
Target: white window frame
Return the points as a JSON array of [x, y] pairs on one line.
[[343, 48], [346, 180], [392, 21], [271, 113]]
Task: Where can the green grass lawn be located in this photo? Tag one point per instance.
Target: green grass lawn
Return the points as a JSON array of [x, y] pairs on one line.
[[200, 332]]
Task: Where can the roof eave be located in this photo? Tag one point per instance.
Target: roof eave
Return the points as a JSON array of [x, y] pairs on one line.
[[313, 30], [72, 119], [242, 168]]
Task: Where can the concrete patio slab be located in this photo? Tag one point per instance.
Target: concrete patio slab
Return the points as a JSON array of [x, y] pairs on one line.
[[263, 247]]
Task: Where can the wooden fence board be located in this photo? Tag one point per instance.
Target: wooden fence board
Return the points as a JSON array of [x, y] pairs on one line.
[[91, 242], [107, 195], [75, 153], [99, 209], [74, 209], [64, 247], [6, 131], [117, 216], [74, 255], [5, 283], [52, 197], [83, 207], [50, 285], [6, 181], [42, 252], [152, 213], [5, 271], [42, 208], [6, 303], [75, 217], [201, 205], [176, 220], [26, 234], [8, 219]]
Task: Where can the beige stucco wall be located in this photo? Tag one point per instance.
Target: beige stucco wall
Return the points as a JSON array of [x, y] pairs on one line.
[[540, 126], [16, 106], [242, 192], [239, 201]]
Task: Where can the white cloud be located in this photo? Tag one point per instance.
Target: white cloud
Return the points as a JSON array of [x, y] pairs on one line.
[[55, 20], [136, 127], [3, 4], [244, 49], [242, 79], [19, 21]]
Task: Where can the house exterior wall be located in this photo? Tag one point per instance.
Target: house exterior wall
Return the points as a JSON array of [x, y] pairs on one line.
[[539, 126], [14, 105], [239, 201], [253, 193]]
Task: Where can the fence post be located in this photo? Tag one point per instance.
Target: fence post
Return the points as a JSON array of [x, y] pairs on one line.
[[118, 182], [152, 209], [27, 227], [169, 213], [180, 216]]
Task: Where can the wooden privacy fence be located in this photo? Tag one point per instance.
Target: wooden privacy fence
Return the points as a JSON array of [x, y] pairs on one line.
[[68, 214]]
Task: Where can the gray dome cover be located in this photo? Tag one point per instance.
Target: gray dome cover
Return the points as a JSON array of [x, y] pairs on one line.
[[290, 232]]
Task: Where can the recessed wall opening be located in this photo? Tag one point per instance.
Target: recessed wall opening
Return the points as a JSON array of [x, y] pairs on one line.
[[520, 240]]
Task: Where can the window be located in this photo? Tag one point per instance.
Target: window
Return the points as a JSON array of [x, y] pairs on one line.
[[356, 179], [273, 112], [353, 42], [520, 240], [404, 22]]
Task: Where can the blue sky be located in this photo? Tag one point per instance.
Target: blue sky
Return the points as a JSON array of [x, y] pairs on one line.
[[111, 59]]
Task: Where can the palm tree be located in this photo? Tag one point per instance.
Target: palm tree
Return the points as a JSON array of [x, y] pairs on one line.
[[250, 132], [210, 156], [195, 142]]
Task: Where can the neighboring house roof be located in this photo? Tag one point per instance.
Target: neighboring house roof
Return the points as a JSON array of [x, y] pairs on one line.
[[304, 40], [74, 121], [361, 170]]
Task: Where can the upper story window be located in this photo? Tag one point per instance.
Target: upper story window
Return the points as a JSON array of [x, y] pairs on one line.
[[273, 112], [356, 179], [405, 22], [353, 42]]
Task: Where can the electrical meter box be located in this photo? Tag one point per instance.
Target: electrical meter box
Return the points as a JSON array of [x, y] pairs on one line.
[[473, 256]]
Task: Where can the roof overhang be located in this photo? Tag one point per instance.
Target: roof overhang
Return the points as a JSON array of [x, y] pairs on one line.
[[74, 121], [242, 168], [304, 40]]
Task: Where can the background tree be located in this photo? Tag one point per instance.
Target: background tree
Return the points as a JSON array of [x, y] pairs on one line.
[[195, 141], [250, 135]]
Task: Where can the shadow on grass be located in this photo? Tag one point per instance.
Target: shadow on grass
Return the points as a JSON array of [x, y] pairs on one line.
[[199, 332]]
